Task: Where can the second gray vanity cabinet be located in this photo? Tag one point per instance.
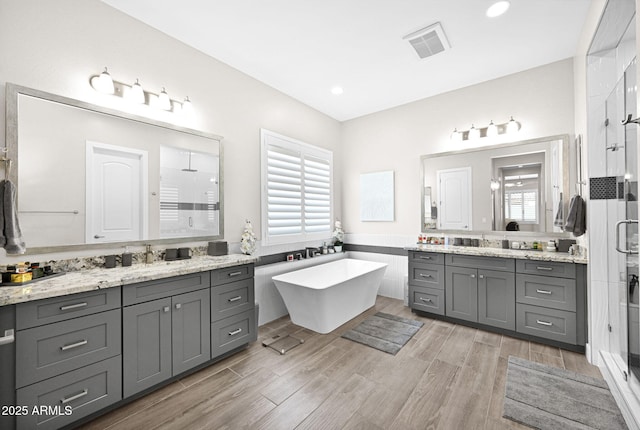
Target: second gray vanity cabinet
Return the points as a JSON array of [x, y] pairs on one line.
[[163, 338]]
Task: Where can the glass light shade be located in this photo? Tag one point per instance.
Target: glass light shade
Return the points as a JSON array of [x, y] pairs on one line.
[[137, 93], [456, 136], [492, 130], [163, 100], [474, 133], [512, 126], [104, 83], [187, 108]]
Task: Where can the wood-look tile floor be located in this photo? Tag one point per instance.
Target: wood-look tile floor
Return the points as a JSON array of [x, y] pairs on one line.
[[447, 377]]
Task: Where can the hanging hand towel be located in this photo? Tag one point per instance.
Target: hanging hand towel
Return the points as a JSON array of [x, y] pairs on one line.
[[3, 240], [559, 220], [11, 231], [576, 219]]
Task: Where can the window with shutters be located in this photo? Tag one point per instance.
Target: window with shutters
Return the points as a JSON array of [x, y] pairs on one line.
[[297, 189]]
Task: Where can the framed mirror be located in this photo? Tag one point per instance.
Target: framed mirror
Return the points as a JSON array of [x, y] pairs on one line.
[[88, 176], [524, 186]]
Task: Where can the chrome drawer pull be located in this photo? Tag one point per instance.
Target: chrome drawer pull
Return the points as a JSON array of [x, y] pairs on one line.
[[422, 275], [235, 274], [425, 299], [544, 268], [9, 337], [235, 332], [543, 291], [75, 397], [76, 306], [235, 299], [74, 345], [548, 324], [424, 258]]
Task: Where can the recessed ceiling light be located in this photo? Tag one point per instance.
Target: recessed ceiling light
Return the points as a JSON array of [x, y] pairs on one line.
[[497, 9], [337, 90]]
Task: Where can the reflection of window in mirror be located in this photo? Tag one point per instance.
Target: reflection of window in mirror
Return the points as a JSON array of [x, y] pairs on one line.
[[521, 194]]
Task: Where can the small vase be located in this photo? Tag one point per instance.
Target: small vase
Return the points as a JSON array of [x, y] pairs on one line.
[[337, 248]]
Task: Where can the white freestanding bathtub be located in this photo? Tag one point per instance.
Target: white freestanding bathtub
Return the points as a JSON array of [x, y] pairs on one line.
[[322, 298]]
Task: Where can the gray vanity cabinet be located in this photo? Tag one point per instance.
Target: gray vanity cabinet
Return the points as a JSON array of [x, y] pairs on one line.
[[481, 289], [165, 337]]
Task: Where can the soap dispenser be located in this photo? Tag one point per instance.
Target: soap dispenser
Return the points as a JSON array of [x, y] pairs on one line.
[[149, 255]]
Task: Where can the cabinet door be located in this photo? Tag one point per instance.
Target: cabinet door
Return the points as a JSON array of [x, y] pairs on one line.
[[461, 293], [497, 299], [191, 330], [146, 345]]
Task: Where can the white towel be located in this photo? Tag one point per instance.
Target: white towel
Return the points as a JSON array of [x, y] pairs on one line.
[[14, 244], [559, 220]]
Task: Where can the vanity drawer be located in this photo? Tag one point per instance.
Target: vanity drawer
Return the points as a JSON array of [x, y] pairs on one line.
[[548, 323], [231, 299], [426, 275], [233, 332], [494, 263], [427, 299], [426, 257], [231, 274], [47, 311], [557, 293], [151, 290], [546, 268], [84, 391], [47, 351]]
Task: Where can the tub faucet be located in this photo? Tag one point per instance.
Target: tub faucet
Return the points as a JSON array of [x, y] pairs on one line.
[[298, 256], [311, 252]]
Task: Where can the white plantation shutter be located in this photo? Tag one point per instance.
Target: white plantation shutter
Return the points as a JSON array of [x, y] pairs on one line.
[[297, 186]]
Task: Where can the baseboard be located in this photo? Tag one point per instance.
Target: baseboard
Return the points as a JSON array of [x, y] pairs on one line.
[[627, 401]]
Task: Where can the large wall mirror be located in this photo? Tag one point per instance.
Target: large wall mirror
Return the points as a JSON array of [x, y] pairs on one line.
[[88, 176], [524, 186]]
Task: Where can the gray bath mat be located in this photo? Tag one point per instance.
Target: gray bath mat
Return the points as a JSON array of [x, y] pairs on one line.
[[545, 397], [388, 333]]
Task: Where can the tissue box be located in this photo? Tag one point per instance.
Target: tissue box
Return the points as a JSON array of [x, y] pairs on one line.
[[564, 244], [218, 248]]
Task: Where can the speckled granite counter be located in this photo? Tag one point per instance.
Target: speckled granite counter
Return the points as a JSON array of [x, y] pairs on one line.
[[93, 279], [523, 254]]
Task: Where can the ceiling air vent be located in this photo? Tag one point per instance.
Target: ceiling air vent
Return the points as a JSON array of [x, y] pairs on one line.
[[428, 41]]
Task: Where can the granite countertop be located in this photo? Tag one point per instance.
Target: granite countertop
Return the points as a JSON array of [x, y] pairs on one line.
[[523, 254], [94, 279]]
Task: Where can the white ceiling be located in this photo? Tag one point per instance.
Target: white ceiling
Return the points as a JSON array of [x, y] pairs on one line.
[[304, 48]]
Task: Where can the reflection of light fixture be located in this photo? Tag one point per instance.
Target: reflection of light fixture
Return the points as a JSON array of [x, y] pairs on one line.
[[103, 83], [137, 93], [474, 133], [492, 130], [190, 169], [495, 184]]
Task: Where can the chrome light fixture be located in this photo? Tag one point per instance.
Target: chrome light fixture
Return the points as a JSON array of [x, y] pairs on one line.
[[492, 130], [103, 83]]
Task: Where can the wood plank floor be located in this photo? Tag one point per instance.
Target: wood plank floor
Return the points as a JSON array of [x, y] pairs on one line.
[[447, 377]]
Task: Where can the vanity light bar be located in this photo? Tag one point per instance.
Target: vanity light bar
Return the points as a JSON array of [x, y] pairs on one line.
[[103, 83], [509, 127]]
